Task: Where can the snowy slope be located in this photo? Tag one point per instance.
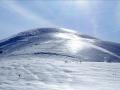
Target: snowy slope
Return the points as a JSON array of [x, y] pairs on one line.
[[60, 42], [52, 59], [36, 73]]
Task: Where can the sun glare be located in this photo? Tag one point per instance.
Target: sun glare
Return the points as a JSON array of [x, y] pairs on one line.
[[73, 43]]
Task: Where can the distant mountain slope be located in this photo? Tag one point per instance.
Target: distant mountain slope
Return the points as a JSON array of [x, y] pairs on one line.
[[60, 42]]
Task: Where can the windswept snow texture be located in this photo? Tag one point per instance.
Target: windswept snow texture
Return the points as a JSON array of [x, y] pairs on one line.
[[54, 59], [60, 42], [50, 73]]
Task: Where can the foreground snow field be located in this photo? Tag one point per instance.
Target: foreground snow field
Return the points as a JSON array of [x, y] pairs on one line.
[[37, 73]]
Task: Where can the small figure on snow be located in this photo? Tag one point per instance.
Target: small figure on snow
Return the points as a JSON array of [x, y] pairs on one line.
[[66, 61], [80, 61], [19, 75]]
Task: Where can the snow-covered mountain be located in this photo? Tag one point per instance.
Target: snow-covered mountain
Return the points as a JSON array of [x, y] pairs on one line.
[[50, 59], [60, 43]]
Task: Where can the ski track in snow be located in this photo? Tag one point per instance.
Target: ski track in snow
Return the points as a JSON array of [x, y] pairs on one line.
[[55, 74]]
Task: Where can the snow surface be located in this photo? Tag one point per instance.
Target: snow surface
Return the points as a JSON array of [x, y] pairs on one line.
[[55, 73], [61, 42], [54, 59]]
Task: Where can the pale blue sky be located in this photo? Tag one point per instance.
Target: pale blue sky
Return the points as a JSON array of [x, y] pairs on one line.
[[99, 18]]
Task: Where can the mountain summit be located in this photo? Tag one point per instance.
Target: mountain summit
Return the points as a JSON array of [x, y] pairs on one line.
[[60, 42]]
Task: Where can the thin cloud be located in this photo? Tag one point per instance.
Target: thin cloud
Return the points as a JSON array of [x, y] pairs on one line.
[[117, 15], [89, 12], [18, 9]]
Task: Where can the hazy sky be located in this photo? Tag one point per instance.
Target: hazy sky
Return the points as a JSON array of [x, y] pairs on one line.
[[99, 18]]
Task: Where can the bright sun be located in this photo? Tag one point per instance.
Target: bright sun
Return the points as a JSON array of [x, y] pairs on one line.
[[84, 4]]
